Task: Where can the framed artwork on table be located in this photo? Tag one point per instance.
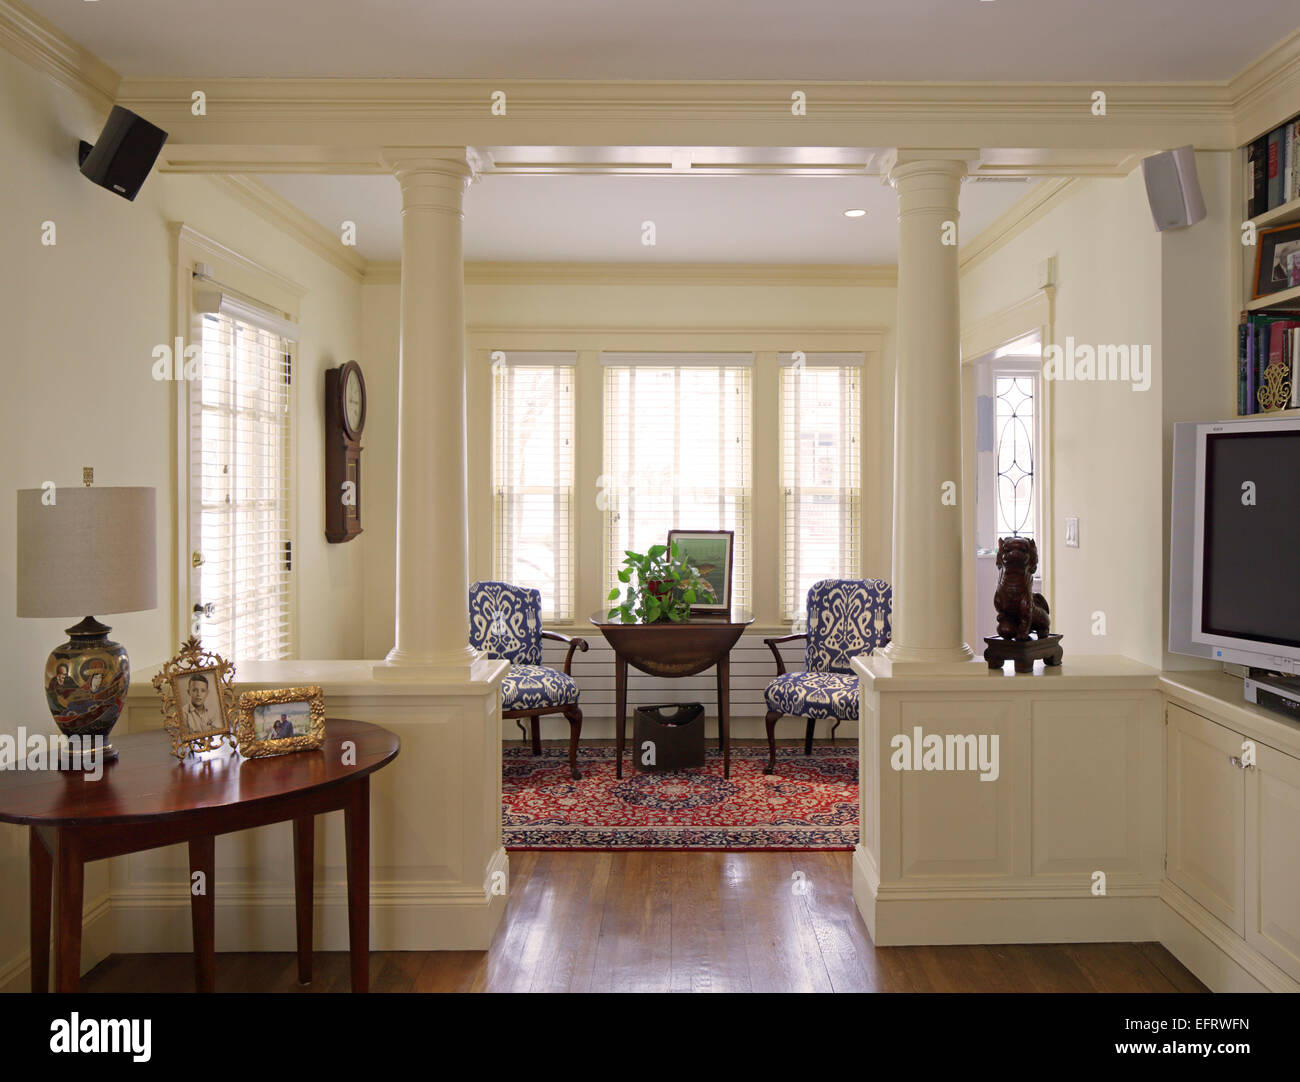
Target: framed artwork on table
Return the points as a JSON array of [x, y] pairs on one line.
[[711, 552]]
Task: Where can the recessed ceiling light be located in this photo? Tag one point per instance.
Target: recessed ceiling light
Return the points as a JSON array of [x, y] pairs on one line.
[[854, 213]]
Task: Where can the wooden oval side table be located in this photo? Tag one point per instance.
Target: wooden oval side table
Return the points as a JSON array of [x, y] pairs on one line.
[[674, 650], [147, 799]]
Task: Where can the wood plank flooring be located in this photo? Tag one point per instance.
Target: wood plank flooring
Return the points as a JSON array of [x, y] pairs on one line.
[[658, 922]]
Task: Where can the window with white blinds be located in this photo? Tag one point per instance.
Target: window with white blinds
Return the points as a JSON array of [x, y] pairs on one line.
[[241, 489], [821, 496], [678, 454], [532, 476]]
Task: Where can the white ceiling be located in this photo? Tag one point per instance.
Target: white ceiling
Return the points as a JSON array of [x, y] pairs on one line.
[[728, 219], [909, 40]]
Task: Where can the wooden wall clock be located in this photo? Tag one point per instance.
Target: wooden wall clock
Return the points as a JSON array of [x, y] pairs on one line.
[[345, 417]]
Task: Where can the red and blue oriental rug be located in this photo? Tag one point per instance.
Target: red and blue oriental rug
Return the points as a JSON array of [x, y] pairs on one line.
[[811, 804]]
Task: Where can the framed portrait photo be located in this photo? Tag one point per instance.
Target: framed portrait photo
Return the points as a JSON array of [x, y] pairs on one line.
[[1277, 253], [198, 699], [710, 551], [280, 721]]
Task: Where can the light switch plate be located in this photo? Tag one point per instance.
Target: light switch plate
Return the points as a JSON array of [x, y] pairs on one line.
[[1072, 532]]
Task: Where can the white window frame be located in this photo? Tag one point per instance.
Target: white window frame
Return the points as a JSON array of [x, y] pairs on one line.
[[743, 552], [279, 298], [850, 367], [562, 608]]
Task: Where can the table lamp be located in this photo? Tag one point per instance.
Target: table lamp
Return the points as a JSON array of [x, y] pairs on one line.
[[86, 550]]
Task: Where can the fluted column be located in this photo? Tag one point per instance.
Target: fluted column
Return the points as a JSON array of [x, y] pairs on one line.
[[431, 637], [927, 525]]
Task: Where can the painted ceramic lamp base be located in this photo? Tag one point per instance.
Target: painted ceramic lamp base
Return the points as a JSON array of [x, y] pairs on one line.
[[85, 686]]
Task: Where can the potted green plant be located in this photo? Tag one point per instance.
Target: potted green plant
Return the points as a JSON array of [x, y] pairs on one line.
[[661, 585]]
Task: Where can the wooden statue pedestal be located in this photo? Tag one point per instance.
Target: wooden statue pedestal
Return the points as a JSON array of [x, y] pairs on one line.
[[1024, 653]]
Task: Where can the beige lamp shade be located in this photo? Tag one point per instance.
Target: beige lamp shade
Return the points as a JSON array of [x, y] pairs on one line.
[[89, 552]]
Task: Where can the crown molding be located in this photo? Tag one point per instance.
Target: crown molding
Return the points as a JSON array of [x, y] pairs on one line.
[[267, 114], [1040, 200], [1266, 92], [866, 338], [49, 50], [640, 274], [697, 274], [274, 208]]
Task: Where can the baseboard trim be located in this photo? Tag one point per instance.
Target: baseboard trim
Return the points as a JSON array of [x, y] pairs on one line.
[[1221, 960], [1020, 911], [404, 916], [96, 945]]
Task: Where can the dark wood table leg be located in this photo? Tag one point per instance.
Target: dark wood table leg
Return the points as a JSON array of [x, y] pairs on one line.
[[203, 911], [68, 883], [41, 876], [724, 712], [356, 825], [620, 711], [304, 870]]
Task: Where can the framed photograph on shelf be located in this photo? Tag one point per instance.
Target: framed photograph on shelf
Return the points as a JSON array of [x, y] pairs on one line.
[[198, 699], [279, 721], [1277, 254], [711, 552]]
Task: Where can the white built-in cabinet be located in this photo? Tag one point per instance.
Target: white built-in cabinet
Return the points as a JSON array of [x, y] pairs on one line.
[[1233, 832]]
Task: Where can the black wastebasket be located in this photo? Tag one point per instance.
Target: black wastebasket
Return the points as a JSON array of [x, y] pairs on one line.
[[675, 732]]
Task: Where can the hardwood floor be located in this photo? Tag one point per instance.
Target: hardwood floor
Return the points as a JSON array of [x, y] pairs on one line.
[[657, 922]]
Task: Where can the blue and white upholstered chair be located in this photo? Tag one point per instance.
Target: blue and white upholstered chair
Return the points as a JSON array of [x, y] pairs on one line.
[[846, 617], [506, 621]]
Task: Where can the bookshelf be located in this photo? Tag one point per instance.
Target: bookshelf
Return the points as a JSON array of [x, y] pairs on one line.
[[1259, 309]]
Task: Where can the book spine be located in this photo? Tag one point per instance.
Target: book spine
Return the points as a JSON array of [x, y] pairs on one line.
[[1250, 366], [1240, 366], [1295, 160], [1295, 368], [1259, 150], [1242, 329], [1274, 153], [1261, 362], [1284, 162]]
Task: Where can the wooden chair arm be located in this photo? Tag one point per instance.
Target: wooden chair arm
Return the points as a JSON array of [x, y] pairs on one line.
[[575, 643], [772, 645]]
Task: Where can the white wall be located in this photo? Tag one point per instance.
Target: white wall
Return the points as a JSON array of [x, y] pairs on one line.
[[1199, 323], [1106, 436], [81, 319], [1121, 282]]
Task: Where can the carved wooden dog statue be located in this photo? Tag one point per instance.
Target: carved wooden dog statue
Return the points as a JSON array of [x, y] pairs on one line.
[[1020, 610]]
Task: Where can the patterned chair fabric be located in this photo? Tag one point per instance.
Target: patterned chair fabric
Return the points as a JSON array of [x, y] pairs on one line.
[[846, 617], [506, 622], [534, 687], [815, 695]]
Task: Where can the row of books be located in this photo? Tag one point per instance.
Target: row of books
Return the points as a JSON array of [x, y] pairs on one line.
[[1264, 339], [1273, 168]]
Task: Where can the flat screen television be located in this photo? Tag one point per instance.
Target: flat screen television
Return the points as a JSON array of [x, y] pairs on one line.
[[1234, 577]]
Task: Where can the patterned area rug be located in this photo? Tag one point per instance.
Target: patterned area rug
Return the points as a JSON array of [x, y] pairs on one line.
[[811, 804]]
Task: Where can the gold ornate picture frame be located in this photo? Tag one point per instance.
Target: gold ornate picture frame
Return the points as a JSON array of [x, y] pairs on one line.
[[279, 721], [197, 688]]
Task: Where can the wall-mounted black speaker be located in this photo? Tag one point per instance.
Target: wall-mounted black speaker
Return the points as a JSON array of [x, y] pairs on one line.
[[127, 148]]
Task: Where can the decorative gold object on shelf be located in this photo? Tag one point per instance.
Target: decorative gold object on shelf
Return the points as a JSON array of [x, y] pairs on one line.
[[280, 720], [198, 699], [1276, 392]]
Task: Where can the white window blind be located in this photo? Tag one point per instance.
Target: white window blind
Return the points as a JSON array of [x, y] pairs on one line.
[[821, 458], [678, 454], [532, 467], [240, 489]]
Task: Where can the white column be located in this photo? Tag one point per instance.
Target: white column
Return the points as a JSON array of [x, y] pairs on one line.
[[431, 638], [927, 559]]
